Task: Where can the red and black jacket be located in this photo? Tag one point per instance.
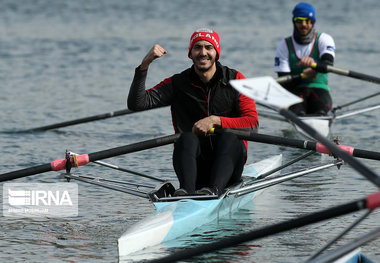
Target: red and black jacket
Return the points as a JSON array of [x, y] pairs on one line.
[[192, 100]]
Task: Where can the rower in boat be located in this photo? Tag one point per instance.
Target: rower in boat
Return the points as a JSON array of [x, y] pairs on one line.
[[295, 54], [201, 98]]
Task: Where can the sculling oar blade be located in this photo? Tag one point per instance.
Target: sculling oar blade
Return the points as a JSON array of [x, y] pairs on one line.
[[266, 91]]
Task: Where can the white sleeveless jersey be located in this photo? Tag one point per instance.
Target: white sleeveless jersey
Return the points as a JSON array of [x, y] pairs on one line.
[[326, 45]]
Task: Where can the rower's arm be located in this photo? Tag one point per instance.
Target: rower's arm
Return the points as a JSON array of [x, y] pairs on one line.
[[326, 59], [140, 99]]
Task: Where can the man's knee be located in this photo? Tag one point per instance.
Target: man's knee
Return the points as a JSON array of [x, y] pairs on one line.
[[187, 141], [228, 138]]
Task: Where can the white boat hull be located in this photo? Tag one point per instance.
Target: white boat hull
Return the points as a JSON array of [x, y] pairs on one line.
[[322, 126], [354, 256], [176, 218]]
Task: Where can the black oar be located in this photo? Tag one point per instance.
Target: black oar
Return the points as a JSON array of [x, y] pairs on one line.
[[370, 202], [84, 159], [334, 149], [300, 144], [349, 73], [355, 101], [84, 120], [112, 114]]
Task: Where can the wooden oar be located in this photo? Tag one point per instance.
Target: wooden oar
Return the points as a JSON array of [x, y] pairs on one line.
[[84, 159], [266, 91], [349, 73], [370, 202]]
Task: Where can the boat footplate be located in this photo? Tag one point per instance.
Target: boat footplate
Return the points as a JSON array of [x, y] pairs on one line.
[[163, 190], [185, 197]]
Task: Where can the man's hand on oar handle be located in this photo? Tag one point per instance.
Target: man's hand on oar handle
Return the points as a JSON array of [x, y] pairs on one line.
[[155, 52], [203, 126], [308, 72]]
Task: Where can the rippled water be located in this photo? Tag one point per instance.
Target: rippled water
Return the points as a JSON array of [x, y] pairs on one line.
[[62, 60]]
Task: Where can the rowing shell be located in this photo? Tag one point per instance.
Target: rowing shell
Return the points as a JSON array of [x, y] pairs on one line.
[[354, 256], [176, 218], [321, 124]]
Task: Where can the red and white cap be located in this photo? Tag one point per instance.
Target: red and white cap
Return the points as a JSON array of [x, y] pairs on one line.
[[208, 35]]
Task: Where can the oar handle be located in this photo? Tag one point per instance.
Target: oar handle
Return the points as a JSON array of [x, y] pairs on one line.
[[288, 78], [323, 68]]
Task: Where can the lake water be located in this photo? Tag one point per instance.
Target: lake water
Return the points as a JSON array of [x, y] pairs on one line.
[[63, 60]]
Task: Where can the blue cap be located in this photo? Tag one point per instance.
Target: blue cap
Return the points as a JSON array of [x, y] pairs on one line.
[[304, 10]]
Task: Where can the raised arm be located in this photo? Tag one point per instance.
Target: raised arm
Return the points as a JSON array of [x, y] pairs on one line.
[[158, 96]]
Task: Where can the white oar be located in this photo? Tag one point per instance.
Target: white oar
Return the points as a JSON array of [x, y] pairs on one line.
[[280, 99]]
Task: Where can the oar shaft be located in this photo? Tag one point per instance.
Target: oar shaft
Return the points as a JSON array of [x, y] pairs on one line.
[[349, 73], [366, 154], [356, 101], [84, 120], [300, 144], [133, 147], [344, 154], [84, 159], [270, 139], [43, 168]]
